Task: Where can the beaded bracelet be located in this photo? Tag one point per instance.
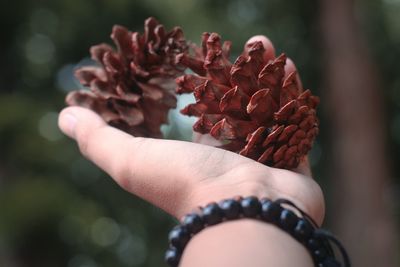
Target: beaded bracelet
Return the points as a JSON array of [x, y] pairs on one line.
[[281, 213]]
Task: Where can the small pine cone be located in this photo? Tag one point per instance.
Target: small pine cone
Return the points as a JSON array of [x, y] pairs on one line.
[[249, 105], [133, 88]]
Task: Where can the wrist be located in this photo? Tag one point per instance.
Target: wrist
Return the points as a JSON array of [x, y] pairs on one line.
[[202, 198], [312, 204], [244, 242], [280, 213]]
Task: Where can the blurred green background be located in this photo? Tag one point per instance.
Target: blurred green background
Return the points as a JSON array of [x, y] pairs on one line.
[[56, 208]]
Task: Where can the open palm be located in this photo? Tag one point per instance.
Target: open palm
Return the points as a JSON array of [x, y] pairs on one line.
[[178, 176]]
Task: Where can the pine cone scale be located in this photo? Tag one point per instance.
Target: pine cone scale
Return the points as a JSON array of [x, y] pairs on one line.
[[121, 37], [273, 136], [233, 102], [297, 137], [253, 139], [287, 133], [261, 107]]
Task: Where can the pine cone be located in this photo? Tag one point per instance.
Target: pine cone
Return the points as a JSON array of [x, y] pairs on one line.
[[133, 88], [250, 106]]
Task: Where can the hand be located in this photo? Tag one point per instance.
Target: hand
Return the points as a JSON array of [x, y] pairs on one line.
[[179, 176]]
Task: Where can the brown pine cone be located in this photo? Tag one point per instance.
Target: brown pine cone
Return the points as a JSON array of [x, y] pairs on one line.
[[250, 106], [133, 88]]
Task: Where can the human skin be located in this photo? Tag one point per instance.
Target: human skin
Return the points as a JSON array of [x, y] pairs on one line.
[[179, 176]]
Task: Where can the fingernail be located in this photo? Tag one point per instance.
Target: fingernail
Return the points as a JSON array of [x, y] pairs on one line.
[[68, 123]]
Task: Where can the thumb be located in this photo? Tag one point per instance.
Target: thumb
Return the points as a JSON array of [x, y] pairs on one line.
[[69, 123]]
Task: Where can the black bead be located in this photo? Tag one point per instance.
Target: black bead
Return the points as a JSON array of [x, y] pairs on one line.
[[319, 255], [313, 244], [303, 230], [251, 207], [329, 262], [179, 237], [172, 257], [231, 209], [212, 214], [288, 220], [193, 223], [270, 211]]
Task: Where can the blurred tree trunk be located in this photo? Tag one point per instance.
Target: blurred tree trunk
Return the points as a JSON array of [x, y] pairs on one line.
[[360, 175]]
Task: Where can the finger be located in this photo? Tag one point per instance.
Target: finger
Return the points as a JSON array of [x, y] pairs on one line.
[[269, 53], [304, 167], [160, 171], [291, 67]]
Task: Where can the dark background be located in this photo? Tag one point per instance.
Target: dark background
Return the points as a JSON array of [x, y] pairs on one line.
[[57, 209]]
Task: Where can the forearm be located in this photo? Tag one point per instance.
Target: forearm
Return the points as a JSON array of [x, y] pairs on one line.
[[243, 243]]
